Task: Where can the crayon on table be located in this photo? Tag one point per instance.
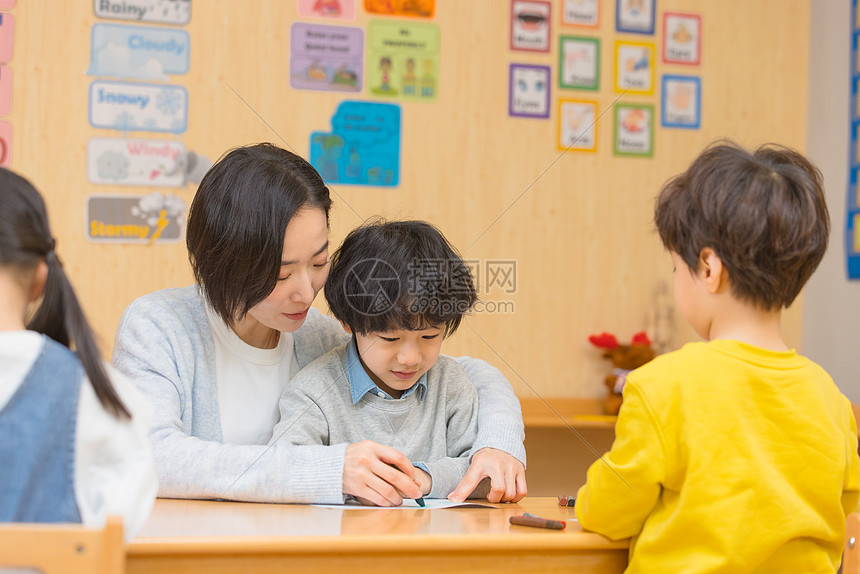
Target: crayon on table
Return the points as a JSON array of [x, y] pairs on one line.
[[536, 521]]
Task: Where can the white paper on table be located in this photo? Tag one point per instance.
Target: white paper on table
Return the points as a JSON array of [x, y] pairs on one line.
[[430, 504]]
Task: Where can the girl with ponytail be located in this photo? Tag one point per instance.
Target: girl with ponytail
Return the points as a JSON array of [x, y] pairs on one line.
[[73, 431]]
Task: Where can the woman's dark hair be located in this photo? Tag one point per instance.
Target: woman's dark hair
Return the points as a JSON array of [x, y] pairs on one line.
[[762, 212], [237, 221], [395, 275], [25, 240]]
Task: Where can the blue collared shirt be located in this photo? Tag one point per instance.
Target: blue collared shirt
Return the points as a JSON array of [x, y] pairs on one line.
[[360, 382]]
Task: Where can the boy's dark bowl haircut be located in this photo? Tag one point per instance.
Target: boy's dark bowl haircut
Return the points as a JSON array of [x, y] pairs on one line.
[[763, 213], [396, 275]]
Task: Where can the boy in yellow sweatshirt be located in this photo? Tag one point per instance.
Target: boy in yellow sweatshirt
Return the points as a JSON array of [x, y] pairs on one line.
[[735, 454]]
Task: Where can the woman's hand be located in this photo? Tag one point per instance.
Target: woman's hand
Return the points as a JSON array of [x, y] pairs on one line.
[[378, 475], [507, 477]]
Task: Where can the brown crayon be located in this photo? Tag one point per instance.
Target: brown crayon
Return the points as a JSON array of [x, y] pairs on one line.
[[537, 522]]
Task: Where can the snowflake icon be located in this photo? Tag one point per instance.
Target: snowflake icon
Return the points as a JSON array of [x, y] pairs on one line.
[[124, 121], [169, 102]]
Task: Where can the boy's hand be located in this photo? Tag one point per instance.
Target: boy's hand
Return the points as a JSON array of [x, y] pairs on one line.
[[424, 480], [507, 477], [369, 474]]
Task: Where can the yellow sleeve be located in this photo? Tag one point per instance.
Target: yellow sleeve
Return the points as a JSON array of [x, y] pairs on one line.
[[851, 484], [624, 485]]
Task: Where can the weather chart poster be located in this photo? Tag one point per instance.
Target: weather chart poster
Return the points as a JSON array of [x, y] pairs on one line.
[[138, 70]]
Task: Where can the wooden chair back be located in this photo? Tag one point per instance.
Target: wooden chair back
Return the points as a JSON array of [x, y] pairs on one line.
[[851, 555], [63, 548]]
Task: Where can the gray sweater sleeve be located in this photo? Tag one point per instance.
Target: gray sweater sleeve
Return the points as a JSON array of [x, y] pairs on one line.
[[500, 419], [162, 346]]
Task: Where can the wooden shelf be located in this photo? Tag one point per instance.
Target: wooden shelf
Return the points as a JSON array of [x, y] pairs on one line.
[[564, 412]]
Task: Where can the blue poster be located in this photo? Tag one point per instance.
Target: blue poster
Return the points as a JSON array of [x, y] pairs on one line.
[[363, 147], [852, 211]]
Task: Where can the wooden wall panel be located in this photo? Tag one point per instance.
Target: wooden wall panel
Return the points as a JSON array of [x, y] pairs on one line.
[[578, 226]]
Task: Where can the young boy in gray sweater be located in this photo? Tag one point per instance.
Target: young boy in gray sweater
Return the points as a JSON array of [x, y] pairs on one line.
[[400, 289]]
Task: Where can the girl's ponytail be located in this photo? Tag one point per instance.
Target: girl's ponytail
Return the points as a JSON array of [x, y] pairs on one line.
[[25, 240], [61, 318]]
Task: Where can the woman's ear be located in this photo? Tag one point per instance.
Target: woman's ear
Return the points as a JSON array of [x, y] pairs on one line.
[[39, 279], [711, 270]]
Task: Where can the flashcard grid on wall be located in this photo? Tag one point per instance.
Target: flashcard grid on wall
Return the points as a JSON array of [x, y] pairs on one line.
[[852, 211], [133, 93], [634, 72]]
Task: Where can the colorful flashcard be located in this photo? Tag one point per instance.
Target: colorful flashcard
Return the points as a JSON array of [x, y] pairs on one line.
[[579, 63], [145, 107], [136, 162], [363, 147], [635, 16], [176, 12], [411, 8], [5, 143], [682, 102], [577, 125], [530, 25], [852, 223], [581, 13], [403, 59], [634, 67], [326, 57], [7, 4], [682, 38], [141, 52], [7, 37], [334, 9], [5, 90], [528, 92], [142, 219], [634, 130]]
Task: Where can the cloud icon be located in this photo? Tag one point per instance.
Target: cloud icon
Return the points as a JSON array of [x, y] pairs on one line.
[[115, 60]]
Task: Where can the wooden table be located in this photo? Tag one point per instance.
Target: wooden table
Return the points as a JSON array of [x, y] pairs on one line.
[[208, 536], [556, 412]]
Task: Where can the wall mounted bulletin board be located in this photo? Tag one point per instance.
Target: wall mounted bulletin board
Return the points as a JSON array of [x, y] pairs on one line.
[[561, 241]]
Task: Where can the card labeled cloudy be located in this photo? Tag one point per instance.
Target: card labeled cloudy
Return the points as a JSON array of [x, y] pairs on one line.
[[145, 53]]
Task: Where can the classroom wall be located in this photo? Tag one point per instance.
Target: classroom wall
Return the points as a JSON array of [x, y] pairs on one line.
[[578, 225], [831, 316]]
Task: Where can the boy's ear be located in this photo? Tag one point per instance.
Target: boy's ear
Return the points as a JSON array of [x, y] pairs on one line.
[[711, 270], [346, 327]]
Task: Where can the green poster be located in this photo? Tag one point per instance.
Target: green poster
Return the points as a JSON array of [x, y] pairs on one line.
[[403, 59]]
